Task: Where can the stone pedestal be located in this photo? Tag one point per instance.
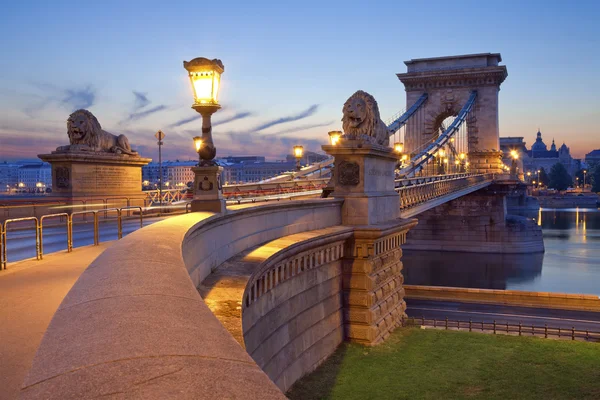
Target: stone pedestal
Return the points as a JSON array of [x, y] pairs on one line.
[[364, 178], [84, 175], [208, 190], [483, 162], [372, 271]]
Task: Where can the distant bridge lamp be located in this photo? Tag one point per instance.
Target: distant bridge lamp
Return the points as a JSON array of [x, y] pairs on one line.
[[205, 78], [298, 153]]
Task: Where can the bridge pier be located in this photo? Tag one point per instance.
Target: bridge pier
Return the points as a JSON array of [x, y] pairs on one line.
[[478, 223], [373, 296]]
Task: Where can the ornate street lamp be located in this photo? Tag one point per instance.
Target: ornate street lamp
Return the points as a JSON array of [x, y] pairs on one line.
[[399, 147], [205, 77], [298, 152], [584, 176], [334, 137]]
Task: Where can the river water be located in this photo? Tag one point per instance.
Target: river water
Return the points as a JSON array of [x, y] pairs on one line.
[[571, 263]]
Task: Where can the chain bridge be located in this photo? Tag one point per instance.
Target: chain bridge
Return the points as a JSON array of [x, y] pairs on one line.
[[242, 301]]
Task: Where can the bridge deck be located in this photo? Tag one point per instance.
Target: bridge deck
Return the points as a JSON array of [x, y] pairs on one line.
[[31, 293]]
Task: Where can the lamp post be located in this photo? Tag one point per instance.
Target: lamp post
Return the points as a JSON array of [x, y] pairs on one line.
[[584, 176], [529, 176], [205, 78], [298, 152], [160, 135], [538, 176]]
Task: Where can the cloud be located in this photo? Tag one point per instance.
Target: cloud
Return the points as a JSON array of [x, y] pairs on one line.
[[240, 115], [141, 100], [142, 114], [304, 114], [79, 98], [299, 128]]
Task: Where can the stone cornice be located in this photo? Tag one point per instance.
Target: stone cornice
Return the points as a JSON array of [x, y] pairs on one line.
[[486, 76]]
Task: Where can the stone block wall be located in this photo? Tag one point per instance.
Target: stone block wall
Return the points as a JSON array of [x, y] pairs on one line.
[[372, 279]]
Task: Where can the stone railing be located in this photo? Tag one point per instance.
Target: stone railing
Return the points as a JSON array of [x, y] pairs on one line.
[[134, 325], [418, 193], [292, 314]]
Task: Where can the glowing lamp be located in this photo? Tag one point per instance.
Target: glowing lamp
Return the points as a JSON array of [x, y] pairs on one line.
[[298, 151], [514, 154], [404, 157], [445, 161], [441, 153], [205, 77], [334, 137], [198, 143], [398, 147], [38, 184], [528, 173], [456, 162], [462, 156]]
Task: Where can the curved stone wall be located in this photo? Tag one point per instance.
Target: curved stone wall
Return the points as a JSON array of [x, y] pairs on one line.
[[292, 310], [133, 325]]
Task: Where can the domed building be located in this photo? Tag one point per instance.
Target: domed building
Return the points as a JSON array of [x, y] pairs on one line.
[[539, 156]]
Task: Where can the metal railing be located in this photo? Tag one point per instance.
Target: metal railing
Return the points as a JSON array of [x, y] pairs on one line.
[[417, 193], [507, 328], [39, 229]]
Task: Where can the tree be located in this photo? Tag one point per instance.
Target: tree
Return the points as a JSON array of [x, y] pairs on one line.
[[559, 177], [544, 180]]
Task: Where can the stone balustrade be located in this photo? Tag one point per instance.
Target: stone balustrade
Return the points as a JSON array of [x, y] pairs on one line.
[[134, 325]]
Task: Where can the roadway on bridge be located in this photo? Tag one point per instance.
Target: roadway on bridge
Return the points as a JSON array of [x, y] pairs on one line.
[[31, 292], [21, 243], [502, 314]]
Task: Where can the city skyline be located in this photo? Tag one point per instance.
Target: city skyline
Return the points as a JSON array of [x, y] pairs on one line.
[[284, 89]]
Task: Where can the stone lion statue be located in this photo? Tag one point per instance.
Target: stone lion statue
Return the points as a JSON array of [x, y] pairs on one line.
[[86, 134], [361, 119]]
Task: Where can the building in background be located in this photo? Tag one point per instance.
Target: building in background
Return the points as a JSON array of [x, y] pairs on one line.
[[593, 157], [539, 156], [175, 174], [246, 170], [9, 176], [34, 177]]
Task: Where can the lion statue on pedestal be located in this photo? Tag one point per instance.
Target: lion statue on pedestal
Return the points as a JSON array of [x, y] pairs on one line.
[[86, 134], [361, 120]]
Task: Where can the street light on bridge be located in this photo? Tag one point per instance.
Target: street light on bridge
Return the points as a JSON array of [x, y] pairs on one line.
[[298, 152]]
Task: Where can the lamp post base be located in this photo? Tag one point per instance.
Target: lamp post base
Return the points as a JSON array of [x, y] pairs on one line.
[[208, 191]]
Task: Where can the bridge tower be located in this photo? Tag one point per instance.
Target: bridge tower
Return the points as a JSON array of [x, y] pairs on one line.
[[449, 81]]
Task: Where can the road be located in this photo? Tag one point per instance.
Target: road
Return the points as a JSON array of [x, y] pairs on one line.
[[581, 320], [20, 244]]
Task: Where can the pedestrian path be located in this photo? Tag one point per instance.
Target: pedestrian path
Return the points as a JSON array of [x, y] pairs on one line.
[[30, 293]]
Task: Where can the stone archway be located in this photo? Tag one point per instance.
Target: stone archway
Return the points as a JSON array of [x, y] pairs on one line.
[[449, 81]]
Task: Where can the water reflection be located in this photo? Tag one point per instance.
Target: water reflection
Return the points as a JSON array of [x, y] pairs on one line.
[[571, 263], [471, 270]]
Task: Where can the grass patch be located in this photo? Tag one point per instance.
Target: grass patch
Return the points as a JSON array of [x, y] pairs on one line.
[[434, 364]]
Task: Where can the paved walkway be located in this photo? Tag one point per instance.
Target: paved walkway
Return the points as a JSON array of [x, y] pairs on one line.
[[30, 293]]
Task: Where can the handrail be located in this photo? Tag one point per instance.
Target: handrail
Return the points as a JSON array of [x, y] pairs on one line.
[[399, 122], [119, 222], [96, 235], [136, 208], [2, 248], [69, 231], [37, 236]]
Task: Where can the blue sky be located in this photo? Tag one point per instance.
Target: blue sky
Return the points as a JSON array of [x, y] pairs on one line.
[[289, 67]]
